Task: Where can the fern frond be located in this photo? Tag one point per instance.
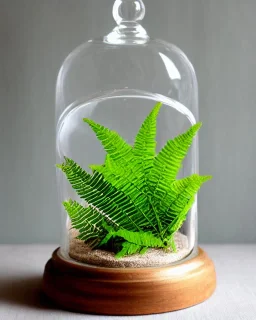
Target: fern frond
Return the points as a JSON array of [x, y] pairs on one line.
[[137, 240], [169, 159], [145, 141], [88, 221], [181, 200], [190, 185], [119, 152], [167, 164], [121, 169], [178, 221], [113, 203], [140, 238], [129, 174], [129, 249], [116, 147]]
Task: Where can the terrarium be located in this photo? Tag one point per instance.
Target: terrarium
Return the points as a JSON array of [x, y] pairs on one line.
[[127, 176]]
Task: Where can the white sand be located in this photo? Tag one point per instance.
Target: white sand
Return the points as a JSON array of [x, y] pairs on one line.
[[80, 251]]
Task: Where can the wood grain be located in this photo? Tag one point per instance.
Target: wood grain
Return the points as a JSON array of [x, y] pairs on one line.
[[129, 291]]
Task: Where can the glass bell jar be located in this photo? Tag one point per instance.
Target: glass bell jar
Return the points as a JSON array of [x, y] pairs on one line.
[[127, 150], [127, 176]]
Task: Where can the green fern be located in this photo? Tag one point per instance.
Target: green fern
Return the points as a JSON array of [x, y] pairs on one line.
[[133, 200]]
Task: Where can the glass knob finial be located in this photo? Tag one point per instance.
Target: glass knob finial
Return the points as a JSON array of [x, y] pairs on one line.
[[127, 14], [128, 11]]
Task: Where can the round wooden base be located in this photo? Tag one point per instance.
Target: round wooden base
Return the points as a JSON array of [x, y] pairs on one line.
[[129, 291]]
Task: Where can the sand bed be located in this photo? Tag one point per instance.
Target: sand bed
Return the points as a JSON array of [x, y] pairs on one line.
[[153, 257]]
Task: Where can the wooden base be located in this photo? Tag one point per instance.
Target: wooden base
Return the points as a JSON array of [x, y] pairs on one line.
[[130, 291]]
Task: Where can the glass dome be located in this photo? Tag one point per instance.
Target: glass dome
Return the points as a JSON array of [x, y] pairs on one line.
[[116, 81]]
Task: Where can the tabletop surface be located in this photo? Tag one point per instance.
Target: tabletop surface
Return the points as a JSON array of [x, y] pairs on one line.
[[21, 268]]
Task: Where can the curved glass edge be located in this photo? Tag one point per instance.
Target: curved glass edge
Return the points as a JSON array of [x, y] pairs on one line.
[[63, 254], [68, 62]]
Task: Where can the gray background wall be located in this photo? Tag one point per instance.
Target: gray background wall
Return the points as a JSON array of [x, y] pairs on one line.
[[219, 38]]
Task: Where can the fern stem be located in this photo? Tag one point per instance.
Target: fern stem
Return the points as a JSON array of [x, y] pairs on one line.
[[159, 224]]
